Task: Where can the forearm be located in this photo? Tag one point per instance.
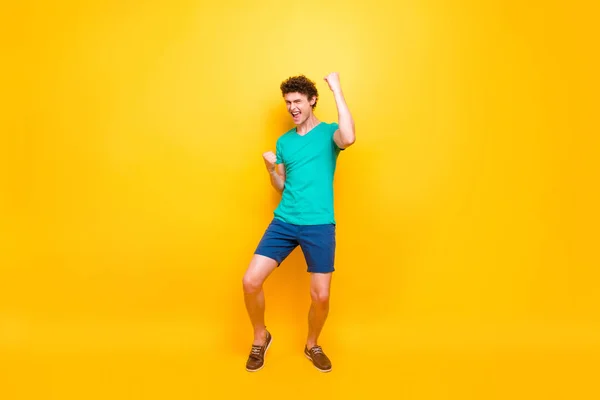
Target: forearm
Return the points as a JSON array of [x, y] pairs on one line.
[[277, 180], [345, 120]]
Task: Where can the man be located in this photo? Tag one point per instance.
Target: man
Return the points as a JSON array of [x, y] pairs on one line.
[[302, 170]]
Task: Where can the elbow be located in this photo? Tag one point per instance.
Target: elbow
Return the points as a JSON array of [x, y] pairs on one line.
[[348, 135], [349, 141]]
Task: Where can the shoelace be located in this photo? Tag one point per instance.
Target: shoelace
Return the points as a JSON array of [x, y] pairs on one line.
[[317, 349], [256, 350]]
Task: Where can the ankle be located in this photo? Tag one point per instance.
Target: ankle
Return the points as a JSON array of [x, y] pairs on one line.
[[260, 335]]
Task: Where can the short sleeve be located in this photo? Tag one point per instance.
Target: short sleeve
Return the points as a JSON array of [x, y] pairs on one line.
[[334, 127], [278, 153]]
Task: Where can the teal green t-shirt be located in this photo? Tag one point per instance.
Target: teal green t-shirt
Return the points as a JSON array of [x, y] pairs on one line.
[[310, 163]]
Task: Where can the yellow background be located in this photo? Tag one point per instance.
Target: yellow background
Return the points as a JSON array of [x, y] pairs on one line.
[[133, 194]]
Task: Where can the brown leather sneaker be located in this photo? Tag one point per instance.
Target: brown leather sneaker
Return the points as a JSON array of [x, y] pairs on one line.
[[256, 359], [318, 358]]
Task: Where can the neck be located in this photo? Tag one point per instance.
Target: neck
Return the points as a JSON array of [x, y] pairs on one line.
[[307, 125]]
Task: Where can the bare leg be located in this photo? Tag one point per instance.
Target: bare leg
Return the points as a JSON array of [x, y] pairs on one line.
[[259, 269], [319, 308]]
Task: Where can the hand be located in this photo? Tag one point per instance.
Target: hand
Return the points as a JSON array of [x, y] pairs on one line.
[[333, 80], [270, 158]]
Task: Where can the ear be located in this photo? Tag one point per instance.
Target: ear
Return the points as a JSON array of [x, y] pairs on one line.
[[313, 100]]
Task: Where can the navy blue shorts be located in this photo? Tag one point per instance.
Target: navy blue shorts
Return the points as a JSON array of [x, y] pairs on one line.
[[316, 241]]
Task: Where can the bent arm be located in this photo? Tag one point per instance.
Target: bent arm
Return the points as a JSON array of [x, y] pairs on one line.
[[345, 136], [277, 176]]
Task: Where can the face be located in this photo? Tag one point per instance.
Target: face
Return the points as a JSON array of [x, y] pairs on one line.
[[299, 106]]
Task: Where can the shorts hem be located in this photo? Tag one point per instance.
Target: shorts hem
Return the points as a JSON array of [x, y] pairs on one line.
[[259, 253], [320, 270]]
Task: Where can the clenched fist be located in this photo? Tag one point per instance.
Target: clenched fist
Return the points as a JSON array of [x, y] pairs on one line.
[[333, 80], [270, 159]]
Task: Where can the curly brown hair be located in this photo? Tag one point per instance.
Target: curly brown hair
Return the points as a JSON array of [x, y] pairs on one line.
[[300, 84]]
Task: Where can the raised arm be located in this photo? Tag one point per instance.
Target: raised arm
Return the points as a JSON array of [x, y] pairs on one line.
[[344, 137]]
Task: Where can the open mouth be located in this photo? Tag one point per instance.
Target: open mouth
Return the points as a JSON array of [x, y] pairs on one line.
[[296, 114]]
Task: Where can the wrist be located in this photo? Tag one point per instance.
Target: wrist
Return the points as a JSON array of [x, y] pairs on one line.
[[337, 92]]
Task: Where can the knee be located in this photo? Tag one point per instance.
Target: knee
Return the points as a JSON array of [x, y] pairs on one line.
[[251, 285], [320, 297]]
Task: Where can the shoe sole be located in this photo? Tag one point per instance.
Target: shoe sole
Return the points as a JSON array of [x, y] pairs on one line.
[[264, 357], [318, 369]]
